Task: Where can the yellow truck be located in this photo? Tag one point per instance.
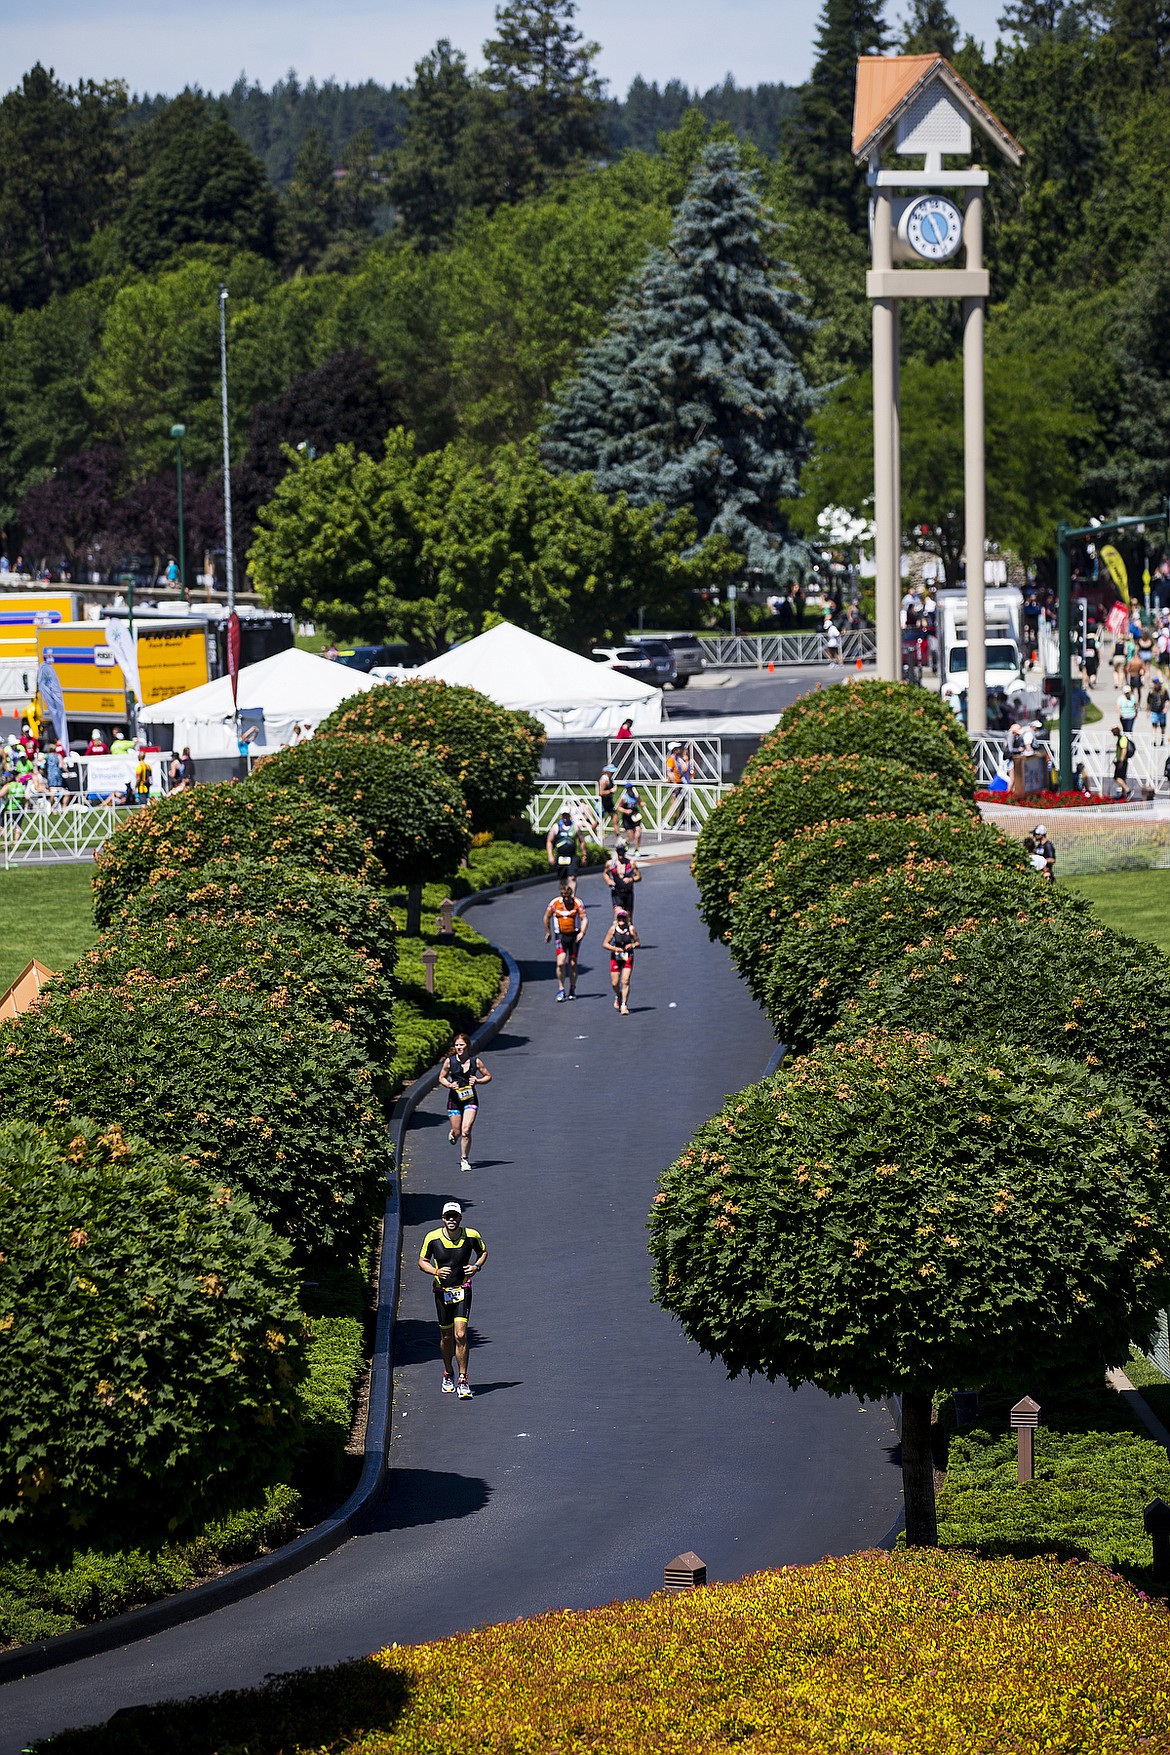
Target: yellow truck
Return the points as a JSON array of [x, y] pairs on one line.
[[22, 615], [172, 656]]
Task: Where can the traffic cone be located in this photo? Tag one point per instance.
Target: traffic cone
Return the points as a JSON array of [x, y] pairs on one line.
[[859, 664], [771, 669]]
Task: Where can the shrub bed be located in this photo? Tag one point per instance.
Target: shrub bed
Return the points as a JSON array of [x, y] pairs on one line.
[[231, 822], [803, 970], [503, 862], [401, 798], [271, 1103], [870, 695], [892, 1652], [149, 1331], [892, 730], [467, 979], [246, 955], [780, 796], [490, 752], [799, 871], [328, 902], [1077, 989]]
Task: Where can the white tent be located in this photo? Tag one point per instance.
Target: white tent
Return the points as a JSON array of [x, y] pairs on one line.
[[569, 694], [290, 688]]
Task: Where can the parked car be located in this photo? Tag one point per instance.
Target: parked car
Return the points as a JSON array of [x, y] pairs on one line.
[[633, 661], [399, 655], [685, 649], [659, 650]]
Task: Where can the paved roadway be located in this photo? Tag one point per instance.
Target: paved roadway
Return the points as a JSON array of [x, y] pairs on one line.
[[600, 1442], [718, 692]]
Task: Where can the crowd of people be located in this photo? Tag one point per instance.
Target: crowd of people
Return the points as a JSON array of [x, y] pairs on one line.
[[41, 774]]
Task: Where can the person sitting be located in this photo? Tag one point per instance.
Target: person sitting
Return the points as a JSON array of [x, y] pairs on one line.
[[97, 745]]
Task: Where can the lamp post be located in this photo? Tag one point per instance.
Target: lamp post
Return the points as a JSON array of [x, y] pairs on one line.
[[178, 434], [227, 461]]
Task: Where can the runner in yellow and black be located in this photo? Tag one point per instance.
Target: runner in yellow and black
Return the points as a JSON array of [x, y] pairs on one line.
[[451, 1255], [566, 914]]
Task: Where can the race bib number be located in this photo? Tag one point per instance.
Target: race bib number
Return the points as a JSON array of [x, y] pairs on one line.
[[464, 1093], [453, 1294], [564, 859]]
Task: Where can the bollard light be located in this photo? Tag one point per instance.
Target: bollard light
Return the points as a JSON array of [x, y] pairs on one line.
[[684, 1572], [445, 921], [430, 957], [1025, 1419], [1156, 1518]]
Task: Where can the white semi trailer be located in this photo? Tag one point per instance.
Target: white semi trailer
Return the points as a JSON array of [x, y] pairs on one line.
[[1004, 614]]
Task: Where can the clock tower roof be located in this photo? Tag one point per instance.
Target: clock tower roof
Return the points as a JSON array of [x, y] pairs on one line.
[[892, 87]]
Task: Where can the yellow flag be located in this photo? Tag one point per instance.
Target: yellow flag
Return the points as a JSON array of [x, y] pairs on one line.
[[1117, 570]]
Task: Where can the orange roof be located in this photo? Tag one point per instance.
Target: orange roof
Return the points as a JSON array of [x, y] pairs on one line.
[[886, 84]]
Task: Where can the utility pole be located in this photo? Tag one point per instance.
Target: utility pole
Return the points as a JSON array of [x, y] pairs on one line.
[[178, 434], [227, 458]]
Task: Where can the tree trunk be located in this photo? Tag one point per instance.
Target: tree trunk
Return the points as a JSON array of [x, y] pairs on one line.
[[414, 911], [918, 1470]]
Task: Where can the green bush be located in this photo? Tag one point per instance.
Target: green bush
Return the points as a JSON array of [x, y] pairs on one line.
[[799, 870], [232, 822], [902, 1212], [271, 1103], [491, 752], [890, 730], [503, 862], [328, 902], [467, 981], [149, 1336], [777, 796], [401, 798], [420, 1039], [870, 696], [247, 955], [335, 1363], [1061, 986], [804, 968]]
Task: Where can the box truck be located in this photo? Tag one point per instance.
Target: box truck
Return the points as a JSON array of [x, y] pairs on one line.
[[1003, 610], [22, 613], [172, 656]]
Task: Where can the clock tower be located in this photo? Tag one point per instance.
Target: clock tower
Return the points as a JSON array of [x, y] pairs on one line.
[[921, 217]]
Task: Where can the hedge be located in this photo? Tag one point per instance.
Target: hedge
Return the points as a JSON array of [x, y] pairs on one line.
[[780, 796], [231, 821], [491, 752], [149, 1335], [893, 730], [1076, 988], [331, 903], [871, 695], [267, 1101], [804, 968], [799, 871], [247, 955], [893, 1652], [412, 812]]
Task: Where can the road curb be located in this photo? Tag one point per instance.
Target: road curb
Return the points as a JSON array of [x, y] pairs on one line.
[[331, 1532]]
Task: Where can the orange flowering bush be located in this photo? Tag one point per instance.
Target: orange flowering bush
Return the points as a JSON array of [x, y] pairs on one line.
[[876, 1654], [859, 697], [857, 719]]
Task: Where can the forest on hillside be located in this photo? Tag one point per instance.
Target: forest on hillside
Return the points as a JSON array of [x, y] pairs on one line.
[[480, 265]]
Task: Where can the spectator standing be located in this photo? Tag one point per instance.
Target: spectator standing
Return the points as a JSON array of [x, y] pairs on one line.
[[606, 798], [142, 777], [1045, 851], [1122, 750], [1156, 704], [97, 745], [832, 638], [626, 728], [1127, 709]]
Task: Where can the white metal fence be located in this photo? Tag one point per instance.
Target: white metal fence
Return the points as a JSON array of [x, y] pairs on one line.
[[1091, 752], [757, 651], [50, 837], [646, 760], [666, 810]]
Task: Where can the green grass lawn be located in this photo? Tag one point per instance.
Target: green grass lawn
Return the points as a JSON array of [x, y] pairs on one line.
[[45, 912], [1136, 902]]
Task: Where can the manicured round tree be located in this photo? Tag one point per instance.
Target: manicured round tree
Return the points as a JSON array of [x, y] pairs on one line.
[[799, 870], [872, 696], [268, 1101], [231, 821], [411, 810], [777, 796], [804, 967], [491, 752], [330, 902], [249, 955], [891, 730], [877, 1219], [1069, 987], [149, 1335]]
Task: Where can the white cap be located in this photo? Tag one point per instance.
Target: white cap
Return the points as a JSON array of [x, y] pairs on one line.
[[453, 1206]]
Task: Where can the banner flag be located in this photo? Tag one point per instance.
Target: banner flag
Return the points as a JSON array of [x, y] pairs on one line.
[[122, 644], [233, 655], [49, 689], [1118, 571]]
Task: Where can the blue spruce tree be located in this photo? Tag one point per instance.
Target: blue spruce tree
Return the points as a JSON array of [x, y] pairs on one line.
[[693, 396]]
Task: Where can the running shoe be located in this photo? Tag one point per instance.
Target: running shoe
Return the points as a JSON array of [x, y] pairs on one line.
[[560, 995], [625, 1011], [572, 993], [465, 1164], [465, 1391], [448, 1383]]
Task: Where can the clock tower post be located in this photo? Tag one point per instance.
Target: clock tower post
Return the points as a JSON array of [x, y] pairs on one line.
[[917, 106]]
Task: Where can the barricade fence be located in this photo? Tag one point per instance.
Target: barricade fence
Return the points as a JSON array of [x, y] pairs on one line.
[[646, 760], [1102, 837], [757, 651], [54, 837], [665, 809]]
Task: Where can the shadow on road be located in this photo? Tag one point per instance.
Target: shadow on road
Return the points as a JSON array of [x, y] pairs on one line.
[[416, 1341], [423, 1209], [418, 1496]]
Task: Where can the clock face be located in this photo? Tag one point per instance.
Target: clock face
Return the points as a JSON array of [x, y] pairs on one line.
[[934, 228]]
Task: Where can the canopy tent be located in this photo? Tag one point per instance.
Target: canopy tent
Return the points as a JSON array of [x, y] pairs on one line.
[[567, 693], [290, 688]]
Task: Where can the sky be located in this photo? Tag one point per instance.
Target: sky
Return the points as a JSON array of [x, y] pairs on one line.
[[163, 45]]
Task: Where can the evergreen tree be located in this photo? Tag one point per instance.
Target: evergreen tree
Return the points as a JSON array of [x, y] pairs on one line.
[[930, 29], [549, 101], [693, 398], [432, 177], [1135, 473], [309, 208], [204, 187], [823, 132], [1030, 20]]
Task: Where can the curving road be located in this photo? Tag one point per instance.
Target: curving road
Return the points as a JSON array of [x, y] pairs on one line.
[[600, 1442]]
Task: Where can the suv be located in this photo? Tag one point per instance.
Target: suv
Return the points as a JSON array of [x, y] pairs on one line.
[[686, 650], [633, 661]]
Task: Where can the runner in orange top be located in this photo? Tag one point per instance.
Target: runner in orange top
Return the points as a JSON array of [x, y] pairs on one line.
[[566, 914]]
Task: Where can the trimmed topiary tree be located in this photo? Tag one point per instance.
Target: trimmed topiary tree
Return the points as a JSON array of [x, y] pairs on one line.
[[800, 870], [149, 1337], [804, 967], [249, 956], [264, 1099], [491, 752], [777, 796], [329, 902], [231, 821], [877, 1219], [1077, 989], [411, 810], [886, 728], [868, 696]]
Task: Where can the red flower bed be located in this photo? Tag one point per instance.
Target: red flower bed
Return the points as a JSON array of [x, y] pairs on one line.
[[1045, 800]]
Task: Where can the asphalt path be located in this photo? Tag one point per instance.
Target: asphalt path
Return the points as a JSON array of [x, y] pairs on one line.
[[721, 692], [600, 1443]]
